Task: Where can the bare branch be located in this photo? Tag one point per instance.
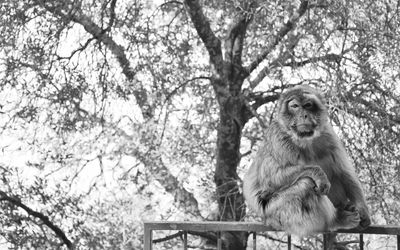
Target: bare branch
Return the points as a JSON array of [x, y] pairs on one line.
[[175, 90], [80, 49], [40, 216], [209, 236], [203, 28], [269, 237], [370, 105], [76, 15], [287, 27], [328, 57], [112, 16], [282, 62], [235, 39]]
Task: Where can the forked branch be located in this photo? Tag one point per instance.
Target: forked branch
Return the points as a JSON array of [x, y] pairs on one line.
[[203, 28], [235, 39], [285, 29]]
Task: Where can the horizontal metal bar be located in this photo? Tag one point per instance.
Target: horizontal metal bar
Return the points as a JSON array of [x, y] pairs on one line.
[[207, 226], [216, 226]]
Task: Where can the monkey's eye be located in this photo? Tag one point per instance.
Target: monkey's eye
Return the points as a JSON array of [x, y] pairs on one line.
[[308, 105], [294, 105]]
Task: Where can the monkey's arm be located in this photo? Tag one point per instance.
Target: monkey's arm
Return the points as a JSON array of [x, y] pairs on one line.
[[353, 189], [292, 174], [266, 178]]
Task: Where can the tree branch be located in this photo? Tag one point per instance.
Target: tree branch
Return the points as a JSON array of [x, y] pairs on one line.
[[287, 27], [328, 57], [269, 237], [262, 98], [235, 39], [283, 62], [68, 11], [155, 165], [203, 28], [40, 216], [175, 90], [265, 71], [395, 119], [209, 236], [161, 173], [112, 16]]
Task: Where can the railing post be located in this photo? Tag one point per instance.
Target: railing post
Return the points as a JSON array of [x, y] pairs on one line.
[[254, 241], [217, 227], [148, 238], [325, 241], [219, 241], [185, 240]]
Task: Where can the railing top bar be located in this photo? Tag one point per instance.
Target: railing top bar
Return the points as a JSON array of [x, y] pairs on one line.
[[203, 226]]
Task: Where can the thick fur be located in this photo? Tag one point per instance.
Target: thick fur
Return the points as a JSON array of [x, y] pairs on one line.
[[304, 184]]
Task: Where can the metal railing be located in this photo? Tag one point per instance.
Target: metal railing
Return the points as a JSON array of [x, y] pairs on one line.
[[220, 226]]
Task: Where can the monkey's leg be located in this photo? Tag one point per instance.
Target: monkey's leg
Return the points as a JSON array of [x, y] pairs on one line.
[[355, 194], [298, 209]]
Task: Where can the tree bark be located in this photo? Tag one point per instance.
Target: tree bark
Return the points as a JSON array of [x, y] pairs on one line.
[[228, 76], [230, 200]]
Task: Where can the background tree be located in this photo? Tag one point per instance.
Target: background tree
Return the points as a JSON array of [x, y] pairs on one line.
[[117, 112]]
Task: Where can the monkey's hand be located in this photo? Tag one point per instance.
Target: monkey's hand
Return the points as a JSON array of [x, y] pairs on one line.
[[322, 184]]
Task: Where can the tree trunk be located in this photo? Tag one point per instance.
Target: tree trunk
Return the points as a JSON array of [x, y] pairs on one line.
[[230, 199]]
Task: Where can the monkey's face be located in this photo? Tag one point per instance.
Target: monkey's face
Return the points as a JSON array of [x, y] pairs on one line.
[[302, 113]]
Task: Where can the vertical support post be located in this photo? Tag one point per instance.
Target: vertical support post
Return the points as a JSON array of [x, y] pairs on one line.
[[289, 242], [361, 242], [185, 240], [398, 242], [219, 241], [254, 241], [148, 235], [325, 241]]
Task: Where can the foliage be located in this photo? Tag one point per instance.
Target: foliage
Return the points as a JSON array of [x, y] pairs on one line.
[[111, 111]]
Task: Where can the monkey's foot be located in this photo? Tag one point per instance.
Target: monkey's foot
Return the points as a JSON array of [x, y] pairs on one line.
[[348, 219], [365, 221], [350, 207]]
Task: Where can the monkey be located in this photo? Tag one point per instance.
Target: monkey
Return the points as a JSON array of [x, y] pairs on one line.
[[301, 180]]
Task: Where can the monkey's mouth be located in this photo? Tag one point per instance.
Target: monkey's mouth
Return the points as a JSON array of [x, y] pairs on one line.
[[304, 130], [305, 133]]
